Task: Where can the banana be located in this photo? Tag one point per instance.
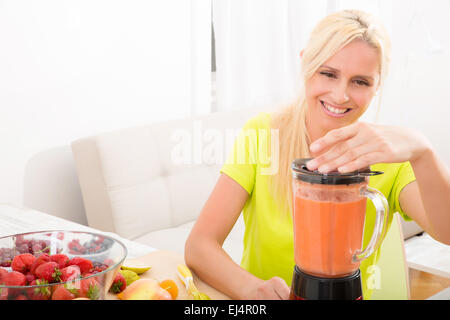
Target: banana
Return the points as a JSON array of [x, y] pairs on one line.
[[186, 277]]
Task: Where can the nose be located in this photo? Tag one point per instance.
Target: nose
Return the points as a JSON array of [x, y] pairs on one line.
[[340, 94]]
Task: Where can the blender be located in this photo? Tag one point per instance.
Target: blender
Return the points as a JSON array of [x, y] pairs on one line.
[[328, 216]]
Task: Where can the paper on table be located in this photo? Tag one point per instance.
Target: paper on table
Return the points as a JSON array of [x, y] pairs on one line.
[[14, 220]]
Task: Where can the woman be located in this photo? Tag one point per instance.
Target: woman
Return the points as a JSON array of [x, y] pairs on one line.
[[344, 65]]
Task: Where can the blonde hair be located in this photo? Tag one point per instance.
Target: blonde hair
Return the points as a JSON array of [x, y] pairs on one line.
[[331, 34]]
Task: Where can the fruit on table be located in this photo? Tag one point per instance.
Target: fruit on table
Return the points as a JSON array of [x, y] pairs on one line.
[[90, 287], [3, 272], [39, 293], [85, 264], [130, 276], [61, 259], [30, 277], [144, 289], [202, 296], [186, 277], [70, 273], [22, 262], [32, 246], [44, 272], [135, 266], [14, 278], [61, 292], [95, 245], [119, 284], [171, 287], [43, 258], [48, 271]]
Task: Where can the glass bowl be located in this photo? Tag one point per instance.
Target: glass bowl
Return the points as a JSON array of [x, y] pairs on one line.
[[93, 281]]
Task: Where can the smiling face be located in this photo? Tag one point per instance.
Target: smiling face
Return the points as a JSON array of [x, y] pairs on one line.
[[341, 90]]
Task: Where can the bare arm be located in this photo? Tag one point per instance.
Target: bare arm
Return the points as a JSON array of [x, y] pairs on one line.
[[427, 200], [204, 253]]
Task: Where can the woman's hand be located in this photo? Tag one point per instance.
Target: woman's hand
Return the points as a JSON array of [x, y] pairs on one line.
[[360, 145], [272, 289]]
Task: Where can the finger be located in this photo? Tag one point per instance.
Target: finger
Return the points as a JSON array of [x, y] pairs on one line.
[[281, 288], [346, 157], [362, 162], [333, 137], [284, 293], [335, 152]]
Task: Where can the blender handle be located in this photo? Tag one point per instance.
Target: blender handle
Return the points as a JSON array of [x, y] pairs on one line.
[[381, 222]]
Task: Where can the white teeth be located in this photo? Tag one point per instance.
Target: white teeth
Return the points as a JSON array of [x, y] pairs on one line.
[[334, 110]]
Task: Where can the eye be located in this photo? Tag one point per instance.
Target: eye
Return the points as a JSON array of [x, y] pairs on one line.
[[362, 83], [328, 74]]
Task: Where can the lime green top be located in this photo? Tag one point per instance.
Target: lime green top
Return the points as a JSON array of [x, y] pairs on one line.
[[268, 238]]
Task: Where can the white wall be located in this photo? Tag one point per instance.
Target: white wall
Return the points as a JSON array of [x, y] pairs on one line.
[[72, 68], [418, 91]]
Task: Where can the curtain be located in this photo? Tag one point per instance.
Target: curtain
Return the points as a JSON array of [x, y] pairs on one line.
[[258, 43]]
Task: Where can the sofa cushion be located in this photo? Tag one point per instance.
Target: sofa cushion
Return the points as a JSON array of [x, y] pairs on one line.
[[131, 204], [173, 239]]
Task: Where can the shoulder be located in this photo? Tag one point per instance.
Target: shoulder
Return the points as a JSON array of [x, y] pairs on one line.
[[260, 121], [394, 174], [391, 168]]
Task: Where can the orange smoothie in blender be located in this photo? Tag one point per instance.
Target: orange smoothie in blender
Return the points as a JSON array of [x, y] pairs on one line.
[[328, 231], [329, 211]]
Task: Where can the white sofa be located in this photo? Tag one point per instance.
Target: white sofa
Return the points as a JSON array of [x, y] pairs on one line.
[[133, 185]]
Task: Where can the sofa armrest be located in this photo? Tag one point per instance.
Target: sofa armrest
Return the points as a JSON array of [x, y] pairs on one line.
[[410, 229], [93, 188]]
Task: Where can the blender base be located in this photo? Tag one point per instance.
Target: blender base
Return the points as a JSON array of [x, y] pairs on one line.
[[308, 287]]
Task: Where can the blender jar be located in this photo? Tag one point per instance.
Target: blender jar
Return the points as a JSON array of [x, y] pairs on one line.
[[329, 214]]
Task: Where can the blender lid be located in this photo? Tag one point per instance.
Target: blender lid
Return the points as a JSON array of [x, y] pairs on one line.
[[301, 172]]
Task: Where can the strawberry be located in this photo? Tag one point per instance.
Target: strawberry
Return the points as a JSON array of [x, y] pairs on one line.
[[39, 293], [30, 277], [61, 292], [21, 297], [84, 264], [96, 270], [98, 267], [4, 293], [3, 271], [108, 262], [44, 257], [70, 273], [22, 262], [48, 271], [61, 259], [14, 278], [90, 288], [119, 284]]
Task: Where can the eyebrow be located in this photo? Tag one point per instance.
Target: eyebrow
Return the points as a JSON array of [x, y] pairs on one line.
[[337, 71]]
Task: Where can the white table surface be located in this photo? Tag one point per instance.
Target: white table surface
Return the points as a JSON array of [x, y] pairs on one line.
[[14, 219], [426, 254]]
